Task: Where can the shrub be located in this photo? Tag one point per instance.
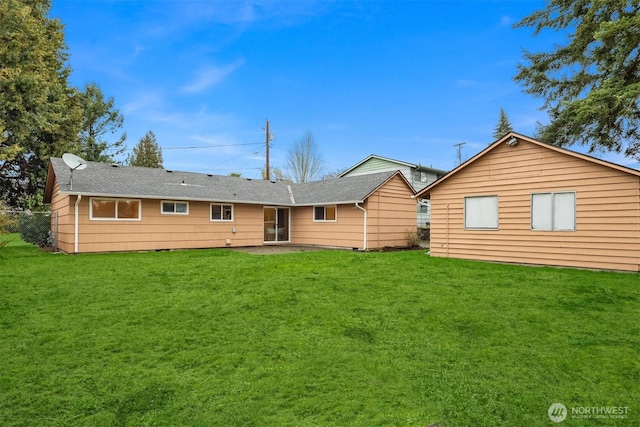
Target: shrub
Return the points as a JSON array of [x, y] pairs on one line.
[[413, 240]]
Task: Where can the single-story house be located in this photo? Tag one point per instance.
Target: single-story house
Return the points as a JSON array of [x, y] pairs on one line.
[[417, 175], [108, 207], [523, 201]]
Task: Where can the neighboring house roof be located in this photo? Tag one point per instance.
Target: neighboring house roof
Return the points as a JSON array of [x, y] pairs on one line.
[[424, 193], [417, 167], [109, 180]]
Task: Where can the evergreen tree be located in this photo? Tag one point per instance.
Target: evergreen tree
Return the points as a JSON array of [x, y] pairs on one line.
[[591, 86], [39, 111], [146, 153], [503, 127], [100, 118]]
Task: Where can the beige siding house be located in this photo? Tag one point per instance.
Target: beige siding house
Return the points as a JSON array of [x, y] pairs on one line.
[[108, 208], [523, 201], [417, 175]]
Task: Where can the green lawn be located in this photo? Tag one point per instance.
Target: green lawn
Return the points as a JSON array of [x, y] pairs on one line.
[[329, 338]]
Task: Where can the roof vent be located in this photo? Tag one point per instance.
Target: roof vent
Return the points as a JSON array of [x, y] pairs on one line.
[[169, 171], [114, 165], [248, 179], [209, 175]]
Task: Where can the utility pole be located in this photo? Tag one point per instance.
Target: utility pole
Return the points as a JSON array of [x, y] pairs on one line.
[[266, 174], [459, 151]]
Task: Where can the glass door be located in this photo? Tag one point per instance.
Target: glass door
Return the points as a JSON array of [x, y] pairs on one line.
[[276, 225]]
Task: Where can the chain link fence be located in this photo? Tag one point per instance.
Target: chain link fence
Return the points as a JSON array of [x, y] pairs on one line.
[[39, 228]]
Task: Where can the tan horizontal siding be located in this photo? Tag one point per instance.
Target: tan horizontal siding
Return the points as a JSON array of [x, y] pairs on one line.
[[157, 231], [607, 231], [391, 213], [346, 231]]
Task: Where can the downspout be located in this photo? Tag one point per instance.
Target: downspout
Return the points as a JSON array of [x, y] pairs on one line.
[[364, 243], [75, 225]]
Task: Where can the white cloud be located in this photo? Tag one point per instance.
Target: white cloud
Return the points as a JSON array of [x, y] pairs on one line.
[[505, 21], [211, 76]]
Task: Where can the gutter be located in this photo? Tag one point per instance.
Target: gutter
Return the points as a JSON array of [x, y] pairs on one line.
[[364, 243], [75, 225]]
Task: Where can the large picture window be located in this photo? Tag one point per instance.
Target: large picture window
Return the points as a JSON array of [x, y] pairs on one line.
[[324, 213], [115, 209], [481, 213], [220, 212], [553, 211]]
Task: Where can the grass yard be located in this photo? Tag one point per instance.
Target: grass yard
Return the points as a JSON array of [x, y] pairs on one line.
[[329, 338]]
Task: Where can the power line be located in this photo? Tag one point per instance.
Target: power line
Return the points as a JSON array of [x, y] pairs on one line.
[[209, 146], [193, 147]]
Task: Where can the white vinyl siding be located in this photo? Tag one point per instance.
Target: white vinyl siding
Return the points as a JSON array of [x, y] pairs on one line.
[[481, 212], [553, 211]]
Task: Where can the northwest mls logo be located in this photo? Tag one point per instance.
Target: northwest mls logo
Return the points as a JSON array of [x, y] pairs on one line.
[[557, 412]]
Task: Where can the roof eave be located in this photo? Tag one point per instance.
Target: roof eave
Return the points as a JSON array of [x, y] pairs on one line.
[[424, 193]]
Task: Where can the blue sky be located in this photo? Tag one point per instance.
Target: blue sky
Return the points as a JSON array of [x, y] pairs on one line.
[[405, 80]]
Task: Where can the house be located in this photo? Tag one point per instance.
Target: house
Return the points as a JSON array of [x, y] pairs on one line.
[[523, 201], [417, 175], [109, 207]]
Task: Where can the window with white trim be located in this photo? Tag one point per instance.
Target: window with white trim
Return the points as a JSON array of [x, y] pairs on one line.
[[115, 209], [324, 213], [174, 208], [221, 212], [481, 213], [553, 211]]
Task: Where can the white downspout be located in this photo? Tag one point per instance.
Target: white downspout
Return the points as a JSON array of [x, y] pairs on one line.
[[75, 225], [364, 243]]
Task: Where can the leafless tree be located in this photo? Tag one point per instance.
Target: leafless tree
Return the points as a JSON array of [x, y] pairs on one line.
[[303, 159]]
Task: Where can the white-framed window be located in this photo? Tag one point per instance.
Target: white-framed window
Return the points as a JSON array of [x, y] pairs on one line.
[[481, 213], [553, 211], [221, 212], [325, 213], [168, 207], [101, 208]]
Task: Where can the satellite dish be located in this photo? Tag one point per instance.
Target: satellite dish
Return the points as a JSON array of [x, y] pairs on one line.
[[74, 163]]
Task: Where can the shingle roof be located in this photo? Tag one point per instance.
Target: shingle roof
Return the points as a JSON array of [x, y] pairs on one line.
[[107, 180]]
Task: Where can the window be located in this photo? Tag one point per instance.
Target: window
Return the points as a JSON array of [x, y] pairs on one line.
[[221, 212], [175, 208], [324, 213], [481, 212], [119, 209], [553, 211]]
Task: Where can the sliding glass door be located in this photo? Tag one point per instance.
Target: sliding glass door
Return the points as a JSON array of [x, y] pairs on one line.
[[276, 225]]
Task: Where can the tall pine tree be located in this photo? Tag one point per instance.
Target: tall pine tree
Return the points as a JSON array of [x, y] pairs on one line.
[[591, 85], [100, 119], [503, 127], [146, 153], [39, 112]]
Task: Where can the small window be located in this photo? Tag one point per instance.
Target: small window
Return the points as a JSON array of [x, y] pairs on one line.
[[115, 209], [175, 208], [481, 212], [553, 211], [221, 212], [324, 213]]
